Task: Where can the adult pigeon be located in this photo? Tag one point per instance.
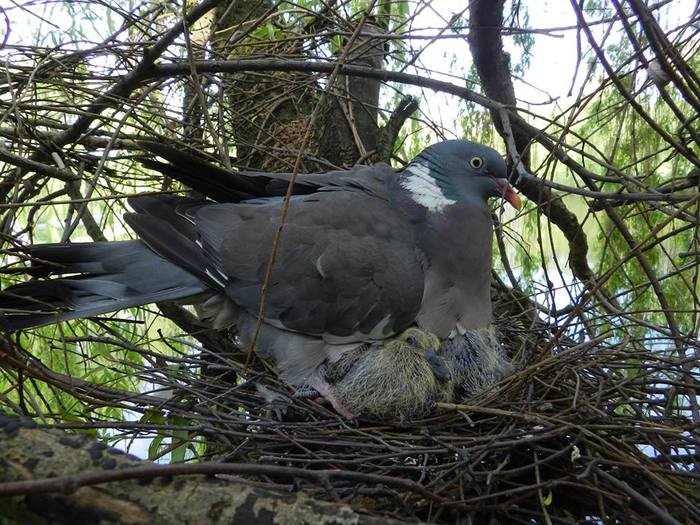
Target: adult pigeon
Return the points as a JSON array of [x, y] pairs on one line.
[[364, 254]]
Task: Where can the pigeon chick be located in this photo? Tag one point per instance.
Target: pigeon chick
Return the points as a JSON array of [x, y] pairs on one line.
[[476, 361], [396, 380], [405, 377]]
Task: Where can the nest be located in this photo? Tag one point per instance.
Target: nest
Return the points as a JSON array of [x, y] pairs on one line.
[[580, 432]]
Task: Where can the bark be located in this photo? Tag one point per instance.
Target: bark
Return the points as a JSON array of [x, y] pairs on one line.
[[32, 455], [270, 113], [493, 63], [390, 131], [348, 130], [267, 113]]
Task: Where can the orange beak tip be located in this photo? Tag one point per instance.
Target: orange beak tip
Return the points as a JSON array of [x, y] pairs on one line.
[[514, 199]]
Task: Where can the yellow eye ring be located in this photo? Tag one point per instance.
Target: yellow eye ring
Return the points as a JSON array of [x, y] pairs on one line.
[[476, 162]]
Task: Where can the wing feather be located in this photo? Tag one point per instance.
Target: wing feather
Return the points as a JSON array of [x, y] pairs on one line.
[[347, 268]]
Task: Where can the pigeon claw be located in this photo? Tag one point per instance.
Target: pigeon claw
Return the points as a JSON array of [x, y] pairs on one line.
[[328, 392]]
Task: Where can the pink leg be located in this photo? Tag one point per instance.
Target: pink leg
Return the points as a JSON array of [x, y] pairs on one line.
[[328, 392]]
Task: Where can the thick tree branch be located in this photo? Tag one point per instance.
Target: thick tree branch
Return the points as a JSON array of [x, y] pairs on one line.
[[388, 134], [97, 483]]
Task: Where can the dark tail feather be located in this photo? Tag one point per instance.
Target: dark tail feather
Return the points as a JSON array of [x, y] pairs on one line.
[[96, 278], [217, 183]]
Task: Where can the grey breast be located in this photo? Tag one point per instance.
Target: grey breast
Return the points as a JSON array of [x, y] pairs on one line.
[[458, 277]]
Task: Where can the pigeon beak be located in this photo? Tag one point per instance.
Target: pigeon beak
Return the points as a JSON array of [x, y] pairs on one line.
[[507, 192], [513, 198]]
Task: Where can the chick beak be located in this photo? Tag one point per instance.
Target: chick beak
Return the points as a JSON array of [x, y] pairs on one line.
[[507, 192]]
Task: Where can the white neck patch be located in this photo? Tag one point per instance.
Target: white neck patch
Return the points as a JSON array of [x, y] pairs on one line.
[[424, 189]]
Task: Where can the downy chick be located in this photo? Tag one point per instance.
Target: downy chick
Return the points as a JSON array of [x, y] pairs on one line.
[[398, 380], [405, 378]]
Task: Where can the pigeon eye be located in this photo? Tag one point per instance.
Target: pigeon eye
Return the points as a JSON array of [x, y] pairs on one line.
[[476, 162]]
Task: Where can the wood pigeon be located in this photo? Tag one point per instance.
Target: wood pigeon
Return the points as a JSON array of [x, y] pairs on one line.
[[364, 254]]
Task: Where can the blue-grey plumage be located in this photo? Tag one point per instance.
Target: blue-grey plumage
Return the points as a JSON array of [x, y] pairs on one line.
[[365, 254], [476, 360]]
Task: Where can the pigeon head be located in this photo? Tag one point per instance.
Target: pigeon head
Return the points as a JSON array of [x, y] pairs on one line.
[[455, 171]]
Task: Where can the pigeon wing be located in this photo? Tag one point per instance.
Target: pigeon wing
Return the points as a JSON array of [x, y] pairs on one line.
[[346, 268]]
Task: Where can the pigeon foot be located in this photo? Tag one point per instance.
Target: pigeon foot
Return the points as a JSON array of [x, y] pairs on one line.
[[329, 393]]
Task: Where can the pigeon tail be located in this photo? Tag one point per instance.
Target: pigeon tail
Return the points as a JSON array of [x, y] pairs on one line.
[[91, 279]]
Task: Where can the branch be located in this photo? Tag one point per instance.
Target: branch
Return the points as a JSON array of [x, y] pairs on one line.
[[387, 135], [114, 96], [86, 481], [492, 64], [36, 167]]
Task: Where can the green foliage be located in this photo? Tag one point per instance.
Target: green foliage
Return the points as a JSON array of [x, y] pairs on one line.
[[625, 140], [524, 41]]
